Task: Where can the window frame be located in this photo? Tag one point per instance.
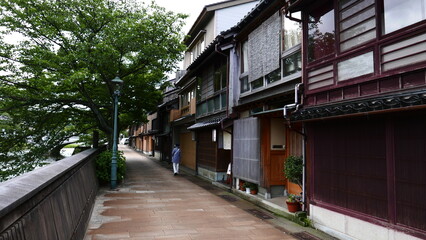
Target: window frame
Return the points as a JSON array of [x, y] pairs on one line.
[[286, 53]]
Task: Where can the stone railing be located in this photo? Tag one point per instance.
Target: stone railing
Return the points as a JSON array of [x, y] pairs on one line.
[[52, 202]]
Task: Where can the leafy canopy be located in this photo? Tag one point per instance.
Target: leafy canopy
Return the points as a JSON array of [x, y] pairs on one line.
[[56, 81]]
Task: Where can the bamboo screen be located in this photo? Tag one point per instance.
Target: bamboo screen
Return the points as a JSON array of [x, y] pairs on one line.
[[246, 154]]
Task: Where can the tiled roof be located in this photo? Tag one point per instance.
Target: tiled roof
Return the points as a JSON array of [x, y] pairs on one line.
[[209, 123]]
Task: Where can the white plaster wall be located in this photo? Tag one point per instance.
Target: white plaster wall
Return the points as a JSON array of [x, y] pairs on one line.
[[349, 228], [210, 32], [228, 17]]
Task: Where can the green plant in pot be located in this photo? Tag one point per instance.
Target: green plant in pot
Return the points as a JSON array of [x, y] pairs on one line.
[[253, 189], [293, 171]]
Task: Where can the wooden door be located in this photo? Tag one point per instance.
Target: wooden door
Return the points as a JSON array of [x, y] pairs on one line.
[[278, 150], [187, 146], [273, 147]]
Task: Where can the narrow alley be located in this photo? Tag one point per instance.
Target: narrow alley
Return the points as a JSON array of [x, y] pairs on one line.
[[154, 204]]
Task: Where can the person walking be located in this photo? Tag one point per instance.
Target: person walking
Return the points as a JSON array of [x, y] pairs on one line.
[[176, 159]]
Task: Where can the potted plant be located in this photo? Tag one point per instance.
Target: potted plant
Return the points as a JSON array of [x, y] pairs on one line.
[[253, 189], [242, 185], [293, 171], [293, 203]]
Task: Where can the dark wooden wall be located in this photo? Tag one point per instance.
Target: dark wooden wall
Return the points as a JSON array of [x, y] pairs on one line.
[[206, 149], [372, 167], [53, 202]]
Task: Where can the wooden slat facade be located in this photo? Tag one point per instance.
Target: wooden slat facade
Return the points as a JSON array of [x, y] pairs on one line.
[[372, 166], [246, 149], [206, 154]]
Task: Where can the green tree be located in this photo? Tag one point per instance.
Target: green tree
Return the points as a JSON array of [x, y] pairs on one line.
[[56, 82]]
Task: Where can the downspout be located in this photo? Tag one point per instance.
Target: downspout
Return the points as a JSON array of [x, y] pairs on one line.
[[227, 103], [216, 49], [294, 105]]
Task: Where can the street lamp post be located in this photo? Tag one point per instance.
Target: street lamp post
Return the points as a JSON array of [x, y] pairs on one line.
[[117, 84]]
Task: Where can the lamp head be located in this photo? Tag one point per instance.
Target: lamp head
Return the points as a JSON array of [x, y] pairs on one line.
[[118, 83]]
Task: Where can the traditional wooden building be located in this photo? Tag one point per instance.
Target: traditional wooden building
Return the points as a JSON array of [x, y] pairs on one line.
[[166, 114], [266, 74], [135, 140], [364, 112], [203, 91], [150, 143]]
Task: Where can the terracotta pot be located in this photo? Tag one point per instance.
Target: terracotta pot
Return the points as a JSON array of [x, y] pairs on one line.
[[253, 191], [293, 206]]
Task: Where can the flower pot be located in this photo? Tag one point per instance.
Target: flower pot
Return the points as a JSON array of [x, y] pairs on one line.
[[247, 190], [293, 206], [253, 191]]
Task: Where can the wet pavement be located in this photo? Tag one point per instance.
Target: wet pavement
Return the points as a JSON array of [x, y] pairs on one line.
[[151, 203]]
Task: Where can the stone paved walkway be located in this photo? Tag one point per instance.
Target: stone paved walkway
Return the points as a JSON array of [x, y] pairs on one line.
[[154, 204]]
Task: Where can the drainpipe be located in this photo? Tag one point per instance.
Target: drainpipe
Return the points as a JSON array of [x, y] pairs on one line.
[[294, 105], [217, 50], [228, 70]]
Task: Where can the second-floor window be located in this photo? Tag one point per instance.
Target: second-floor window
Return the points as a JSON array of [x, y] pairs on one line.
[[244, 57], [198, 46], [399, 14], [219, 77], [244, 81], [321, 32], [291, 42], [186, 97], [291, 32]]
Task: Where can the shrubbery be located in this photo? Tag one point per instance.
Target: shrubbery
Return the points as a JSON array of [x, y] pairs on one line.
[[293, 169], [103, 166]]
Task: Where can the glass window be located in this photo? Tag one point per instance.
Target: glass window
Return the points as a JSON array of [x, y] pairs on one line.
[[220, 78], [401, 13], [217, 103], [245, 86], [223, 73], [217, 81], [183, 100], [355, 67], [321, 36], [292, 64], [223, 100], [202, 109], [273, 76], [257, 83], [202, 44], [210, 106], [292, 32], [244, 57]]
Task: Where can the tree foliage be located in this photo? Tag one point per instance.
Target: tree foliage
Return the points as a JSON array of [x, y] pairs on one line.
[[56, 82]]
